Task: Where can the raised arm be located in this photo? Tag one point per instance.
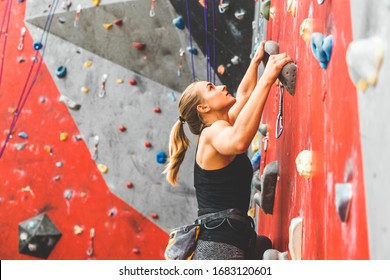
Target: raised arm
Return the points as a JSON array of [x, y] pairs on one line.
[[247, 84], [230, 139]]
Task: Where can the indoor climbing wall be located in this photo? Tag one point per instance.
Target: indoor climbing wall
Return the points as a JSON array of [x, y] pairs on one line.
[[90, 91], [311, 197]]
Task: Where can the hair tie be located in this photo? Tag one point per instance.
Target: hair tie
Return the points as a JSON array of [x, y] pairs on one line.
[[181, 119]]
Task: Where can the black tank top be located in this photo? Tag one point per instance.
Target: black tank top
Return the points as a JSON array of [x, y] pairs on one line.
[[228, 187]]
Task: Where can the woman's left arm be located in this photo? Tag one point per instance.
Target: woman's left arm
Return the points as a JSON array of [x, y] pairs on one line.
[[247, 84]]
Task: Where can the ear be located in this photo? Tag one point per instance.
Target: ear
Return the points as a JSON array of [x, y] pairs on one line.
[[202, 108]]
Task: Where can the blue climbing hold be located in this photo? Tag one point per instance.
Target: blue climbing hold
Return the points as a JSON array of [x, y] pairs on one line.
[[23, 135], [320, 1], [179, 22], [321, 47], [161, 157], [256, 160], [20, 1], [37, 45], [194, 51], [61, 71]]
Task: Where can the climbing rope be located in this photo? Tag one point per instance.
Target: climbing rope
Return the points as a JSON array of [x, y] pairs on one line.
[[6, 17], [27, 89], [207, 47], [189, 30], [214, 42]]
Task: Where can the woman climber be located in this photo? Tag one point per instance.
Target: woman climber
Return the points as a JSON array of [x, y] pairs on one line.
[[225, 126]]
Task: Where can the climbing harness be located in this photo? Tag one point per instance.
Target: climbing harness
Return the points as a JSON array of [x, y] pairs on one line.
[[279, 119], [21, 40], [29, 85]]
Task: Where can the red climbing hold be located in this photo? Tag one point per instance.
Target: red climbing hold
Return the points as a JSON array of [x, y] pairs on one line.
[[129, 185], [148, 144], [157, 110], [154, 215], [139, 46], [136, 251], [122, 128], [132, 82], [118, 22]]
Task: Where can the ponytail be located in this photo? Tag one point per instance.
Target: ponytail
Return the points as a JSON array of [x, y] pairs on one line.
[[178, 145]]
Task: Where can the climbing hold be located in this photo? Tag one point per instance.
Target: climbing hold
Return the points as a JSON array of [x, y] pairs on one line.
[[102, 168], [364, 59], [268, 185], [223, 6], [321, 47], [61, 71], [107, 26], [38, 236], [112, 212], [21, 59], [192, 50], [96, 2], [88, 64], [139, 46], [84, 89], [157, 110], [42, 99], [263, 129], [255, 161], [306, 29], [129, 185], [57, 178], [147, 144], [118, 22], [48, 149], [272, 12], [69, 102], [132, 82], [66, 5], [221, 70], [154, 215], [78, 230], [63, 136], [61, 20], [235, 60], [295, 239], [37, 45], [304, 164], [20, 146], [78, 137], [264, 9], [178, 22], [288, 74], [119, 81], [59, 164], [255, 142], [136, 251], [239, 14], [292, 7], [23, 135], [122, 128], [273, 254], [320, 2], [343, 200], [256, 182], [161, 157], [171, 95]]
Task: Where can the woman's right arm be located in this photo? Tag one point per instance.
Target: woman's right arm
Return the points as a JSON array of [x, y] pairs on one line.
[[235, 139]]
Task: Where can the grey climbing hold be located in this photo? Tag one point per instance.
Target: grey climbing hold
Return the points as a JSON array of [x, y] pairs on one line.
[[38, 236], [23, 135], [20, 146], [272, 254], [235, 60], [256, 182], [268, 185], [59, 164], [68, 194], [263, 129], [343, 200], [239, 14], [70, 103], [364, 58], [265, 9], [289, 71]]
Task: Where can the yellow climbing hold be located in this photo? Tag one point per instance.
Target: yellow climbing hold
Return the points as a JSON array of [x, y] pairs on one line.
[[96, 2], [78, 230], [306, 29], [88, 64], [107, 25], [84, 89], [11, 110], [292, 7], [119, 81], [63, 136], [47, 148], [304, 164], [102, 168], [256, 143]]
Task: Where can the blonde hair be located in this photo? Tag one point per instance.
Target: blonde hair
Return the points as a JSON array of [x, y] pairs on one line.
[[178, 141]]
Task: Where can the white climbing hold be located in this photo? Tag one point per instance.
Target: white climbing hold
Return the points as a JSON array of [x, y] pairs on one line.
[[235, 60], [292, 7], [306, 29], [69, 102], [272, 254], [364, 58], [304, 164], [295, 239]]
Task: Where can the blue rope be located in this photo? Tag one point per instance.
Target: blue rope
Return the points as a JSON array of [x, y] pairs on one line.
[[189, 30], [24, 95]]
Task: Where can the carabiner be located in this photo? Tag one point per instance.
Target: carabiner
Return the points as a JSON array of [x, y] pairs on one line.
[[279, 120]]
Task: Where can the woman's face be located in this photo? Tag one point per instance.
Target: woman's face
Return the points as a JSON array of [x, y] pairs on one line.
[[216, 97]]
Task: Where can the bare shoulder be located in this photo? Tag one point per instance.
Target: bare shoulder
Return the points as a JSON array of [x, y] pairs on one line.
[[216, 128]]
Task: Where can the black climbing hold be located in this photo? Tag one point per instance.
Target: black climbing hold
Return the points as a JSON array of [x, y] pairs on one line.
[[38, 236], [256, 182], [268, 185]]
